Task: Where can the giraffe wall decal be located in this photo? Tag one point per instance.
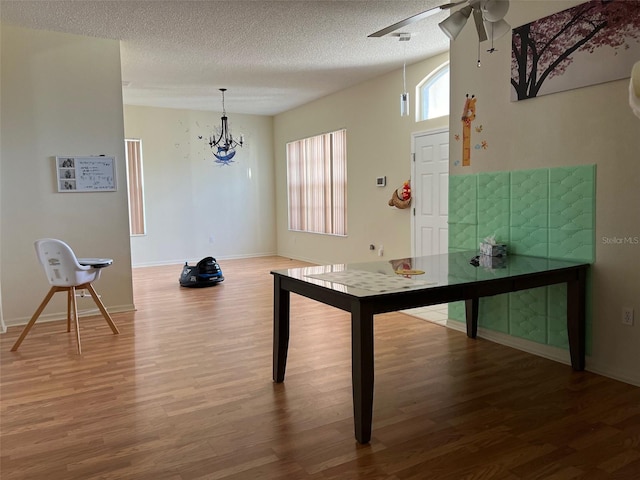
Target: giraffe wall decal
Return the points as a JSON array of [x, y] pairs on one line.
[[468, 116]]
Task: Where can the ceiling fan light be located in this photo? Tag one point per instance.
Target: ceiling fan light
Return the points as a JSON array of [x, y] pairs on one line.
[[494, 10], [498, 29], [453, 25]]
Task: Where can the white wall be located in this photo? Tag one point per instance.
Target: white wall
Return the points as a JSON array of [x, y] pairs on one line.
[[61, 95], [378, 144], [591, 125], [194, 206]]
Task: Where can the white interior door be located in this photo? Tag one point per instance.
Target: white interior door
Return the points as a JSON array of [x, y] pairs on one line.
[[430, 190]]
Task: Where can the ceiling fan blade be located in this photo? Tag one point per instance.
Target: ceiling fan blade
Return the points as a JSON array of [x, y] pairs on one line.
[[415, 18], [477, 18]]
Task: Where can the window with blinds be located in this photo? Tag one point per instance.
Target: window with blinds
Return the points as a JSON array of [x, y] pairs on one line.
[[135, 185], [317, 183]]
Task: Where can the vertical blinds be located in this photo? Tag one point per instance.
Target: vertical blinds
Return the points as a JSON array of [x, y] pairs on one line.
[[317, 183], [135, 184]]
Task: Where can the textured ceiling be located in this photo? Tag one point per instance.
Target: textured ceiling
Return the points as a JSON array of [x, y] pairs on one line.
[[271, 55]]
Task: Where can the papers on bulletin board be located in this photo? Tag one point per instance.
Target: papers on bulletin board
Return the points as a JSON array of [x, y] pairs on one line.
[[86, 174]]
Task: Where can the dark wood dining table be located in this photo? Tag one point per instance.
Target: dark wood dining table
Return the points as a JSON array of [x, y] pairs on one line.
[[366, 289]]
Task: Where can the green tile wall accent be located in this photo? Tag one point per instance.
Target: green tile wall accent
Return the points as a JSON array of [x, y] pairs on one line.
[[529, 215], [463, 199], [541, 212], [463, 236], [528, 314], [495, 313], [493, 206], [529, 199], [529, 241], [572, 244], [572, 198], [557, 316], [572, 213], [456, 311]]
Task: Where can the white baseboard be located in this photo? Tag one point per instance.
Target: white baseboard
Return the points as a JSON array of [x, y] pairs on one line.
[[301, 259], [57, 316], [552, 353], [546, 351], [624, 375], [195, 260]]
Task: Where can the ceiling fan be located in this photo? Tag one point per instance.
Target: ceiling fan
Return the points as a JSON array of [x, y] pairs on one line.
[[487, 15]]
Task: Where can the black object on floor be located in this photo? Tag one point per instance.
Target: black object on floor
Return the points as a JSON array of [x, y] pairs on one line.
[[206, 273]]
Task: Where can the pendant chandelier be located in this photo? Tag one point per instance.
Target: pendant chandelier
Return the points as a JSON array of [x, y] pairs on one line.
[[224, 146]]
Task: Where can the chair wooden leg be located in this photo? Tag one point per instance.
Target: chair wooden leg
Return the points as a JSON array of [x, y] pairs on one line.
[[74, 311], [34, 318], [68, 310], [102, 308]]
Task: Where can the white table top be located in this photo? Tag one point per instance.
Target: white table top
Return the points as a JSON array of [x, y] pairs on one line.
[[95, 262]]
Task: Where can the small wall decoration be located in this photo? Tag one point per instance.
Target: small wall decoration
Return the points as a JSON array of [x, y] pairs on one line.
[[468, 116], [401, 197], [86, 174], [595, 42]]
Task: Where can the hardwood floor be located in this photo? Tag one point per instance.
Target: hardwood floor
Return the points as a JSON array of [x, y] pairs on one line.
[[185, 392]]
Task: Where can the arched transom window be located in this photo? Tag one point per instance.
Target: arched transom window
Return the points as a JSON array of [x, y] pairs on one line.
[[433, 94]]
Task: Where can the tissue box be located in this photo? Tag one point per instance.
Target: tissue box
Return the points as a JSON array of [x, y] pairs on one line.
[[497, 250], [492, 263]]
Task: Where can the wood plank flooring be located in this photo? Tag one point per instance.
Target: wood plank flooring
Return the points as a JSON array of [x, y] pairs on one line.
[[185, 393]]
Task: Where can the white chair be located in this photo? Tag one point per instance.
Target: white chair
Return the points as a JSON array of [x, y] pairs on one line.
[[66, 274]]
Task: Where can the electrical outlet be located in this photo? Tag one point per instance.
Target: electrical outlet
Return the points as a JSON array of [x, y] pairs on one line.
[[627, 315]]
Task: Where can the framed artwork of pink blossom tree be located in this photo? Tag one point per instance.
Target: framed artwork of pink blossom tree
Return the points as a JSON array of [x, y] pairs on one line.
[[594, 42]]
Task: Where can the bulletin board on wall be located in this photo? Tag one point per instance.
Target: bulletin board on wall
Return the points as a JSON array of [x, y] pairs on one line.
[[86, 174]]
